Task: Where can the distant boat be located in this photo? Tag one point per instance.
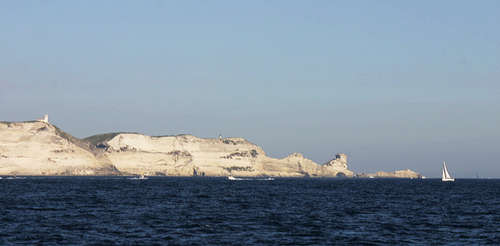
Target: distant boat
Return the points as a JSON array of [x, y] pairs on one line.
[[445, 175], [233, 178], [139, 177]]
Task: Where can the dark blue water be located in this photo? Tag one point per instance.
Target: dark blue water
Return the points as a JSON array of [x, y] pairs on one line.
[[216, 211]]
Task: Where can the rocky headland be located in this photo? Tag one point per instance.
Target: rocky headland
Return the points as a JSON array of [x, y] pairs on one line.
[[40, 148]]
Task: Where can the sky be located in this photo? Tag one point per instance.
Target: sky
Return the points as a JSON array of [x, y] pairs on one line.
[[393, 84]]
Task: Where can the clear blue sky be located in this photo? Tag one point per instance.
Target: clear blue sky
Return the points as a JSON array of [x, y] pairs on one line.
[[394, 84]]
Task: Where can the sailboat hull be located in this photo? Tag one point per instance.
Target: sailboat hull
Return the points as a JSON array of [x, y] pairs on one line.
[[447, 180]]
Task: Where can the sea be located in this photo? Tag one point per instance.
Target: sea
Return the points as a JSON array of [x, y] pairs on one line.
[[218, 211]]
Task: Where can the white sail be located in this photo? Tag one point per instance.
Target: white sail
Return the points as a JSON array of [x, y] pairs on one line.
[[445, 175]]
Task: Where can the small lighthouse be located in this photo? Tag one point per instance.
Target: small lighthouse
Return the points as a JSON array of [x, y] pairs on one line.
[[44, 119]]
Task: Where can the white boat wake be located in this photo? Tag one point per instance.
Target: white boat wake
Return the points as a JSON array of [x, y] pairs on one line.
[[234, 178], [14, 177]]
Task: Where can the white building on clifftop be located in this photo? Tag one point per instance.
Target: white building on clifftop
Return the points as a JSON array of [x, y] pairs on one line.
[[44, 119]]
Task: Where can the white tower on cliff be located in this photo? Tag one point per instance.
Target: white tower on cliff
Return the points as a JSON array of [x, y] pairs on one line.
[[44, 119]]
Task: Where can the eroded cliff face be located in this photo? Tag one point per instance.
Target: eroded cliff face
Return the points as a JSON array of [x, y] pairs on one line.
[[39, 148], [186, 155]]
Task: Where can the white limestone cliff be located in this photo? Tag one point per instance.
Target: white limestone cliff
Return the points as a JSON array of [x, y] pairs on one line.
[[186, 155], [39, 148]]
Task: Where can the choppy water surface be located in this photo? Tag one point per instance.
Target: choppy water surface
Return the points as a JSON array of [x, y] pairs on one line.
[[217, 211]]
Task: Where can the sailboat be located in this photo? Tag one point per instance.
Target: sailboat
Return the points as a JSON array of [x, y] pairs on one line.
[[446, 176]]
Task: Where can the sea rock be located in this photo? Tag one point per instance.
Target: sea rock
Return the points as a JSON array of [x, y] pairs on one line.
[[340, 161], [396, 174]]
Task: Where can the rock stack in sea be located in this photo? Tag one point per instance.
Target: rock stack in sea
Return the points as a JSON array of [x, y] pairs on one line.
[[396, 174]]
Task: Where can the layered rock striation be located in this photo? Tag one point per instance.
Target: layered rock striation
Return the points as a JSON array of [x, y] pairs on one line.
[[39, 148], [186, 155]]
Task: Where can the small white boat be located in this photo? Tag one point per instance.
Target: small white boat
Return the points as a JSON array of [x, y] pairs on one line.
[[140, 177], [446, 177]]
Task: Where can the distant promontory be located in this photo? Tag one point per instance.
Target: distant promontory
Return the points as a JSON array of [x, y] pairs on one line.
[[396, 174]]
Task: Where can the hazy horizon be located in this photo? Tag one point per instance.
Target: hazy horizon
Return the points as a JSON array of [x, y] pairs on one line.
[[394, 85]]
